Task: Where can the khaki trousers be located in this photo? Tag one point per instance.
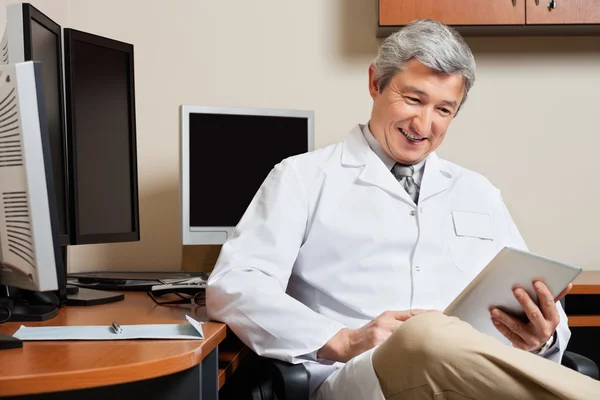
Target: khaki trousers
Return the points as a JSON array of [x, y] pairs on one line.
[[432, 356]]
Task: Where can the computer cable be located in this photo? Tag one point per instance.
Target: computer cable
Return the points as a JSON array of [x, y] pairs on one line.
[[8, 314]]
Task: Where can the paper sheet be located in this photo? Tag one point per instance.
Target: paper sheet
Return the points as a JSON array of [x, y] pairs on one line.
[[193, 330]]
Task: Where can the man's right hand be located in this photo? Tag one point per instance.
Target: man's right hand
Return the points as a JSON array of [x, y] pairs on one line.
[[347, 343]]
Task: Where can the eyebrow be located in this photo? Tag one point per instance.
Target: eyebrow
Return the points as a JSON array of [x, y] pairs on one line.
[[413, 89]]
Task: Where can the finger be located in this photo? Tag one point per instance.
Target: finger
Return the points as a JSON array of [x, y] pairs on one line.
[[546, 302], [564, 292], [515, 339], [418, 311], [516, 326], [385, 323], [397, 315], [406, 314], [531, 309]]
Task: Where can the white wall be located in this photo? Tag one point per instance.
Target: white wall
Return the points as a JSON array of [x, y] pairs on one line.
[[529, 124]]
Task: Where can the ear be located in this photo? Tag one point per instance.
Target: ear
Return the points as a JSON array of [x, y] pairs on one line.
[[373, 82]]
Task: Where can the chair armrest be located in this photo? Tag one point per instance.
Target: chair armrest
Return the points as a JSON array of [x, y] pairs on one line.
[[580, 364], [290, 381]]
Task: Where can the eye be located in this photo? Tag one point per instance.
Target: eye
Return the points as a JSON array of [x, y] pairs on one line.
[[413, 99], [445, 111]]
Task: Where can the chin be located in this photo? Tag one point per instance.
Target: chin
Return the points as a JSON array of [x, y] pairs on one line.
[[409, 156]]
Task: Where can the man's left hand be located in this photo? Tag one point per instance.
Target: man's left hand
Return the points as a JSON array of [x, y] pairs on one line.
[[543, 319]]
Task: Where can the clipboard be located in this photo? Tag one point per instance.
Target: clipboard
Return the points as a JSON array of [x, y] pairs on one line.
[[193, 330]]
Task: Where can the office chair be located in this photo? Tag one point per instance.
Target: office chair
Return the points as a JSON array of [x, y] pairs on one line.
[[284, 381]]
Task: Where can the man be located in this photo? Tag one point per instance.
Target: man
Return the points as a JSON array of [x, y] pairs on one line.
[[345, 253]]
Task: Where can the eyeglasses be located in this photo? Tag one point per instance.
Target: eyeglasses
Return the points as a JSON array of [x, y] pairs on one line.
[[198, 298]]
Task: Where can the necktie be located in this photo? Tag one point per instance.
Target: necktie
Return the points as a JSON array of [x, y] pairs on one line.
[[404, 174]]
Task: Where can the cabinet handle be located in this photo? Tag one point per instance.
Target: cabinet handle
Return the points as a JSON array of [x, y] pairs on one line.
[[514, 3], [552, 5]]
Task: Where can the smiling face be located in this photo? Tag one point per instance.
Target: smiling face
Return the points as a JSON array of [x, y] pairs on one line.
[[410, 117]]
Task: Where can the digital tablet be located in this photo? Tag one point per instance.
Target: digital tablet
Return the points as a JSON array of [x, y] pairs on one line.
[[493, 287]]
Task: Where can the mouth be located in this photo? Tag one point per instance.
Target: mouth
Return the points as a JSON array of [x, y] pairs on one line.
[[410, 137]]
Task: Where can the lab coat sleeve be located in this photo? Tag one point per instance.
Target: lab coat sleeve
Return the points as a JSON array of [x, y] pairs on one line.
[[563, 333], [246, 289]]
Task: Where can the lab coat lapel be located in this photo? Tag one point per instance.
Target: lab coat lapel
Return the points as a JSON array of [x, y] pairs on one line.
[[357, 152], [436, 178]]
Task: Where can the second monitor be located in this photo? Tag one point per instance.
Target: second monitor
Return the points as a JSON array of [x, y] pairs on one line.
[[226, 154], [100, 96]]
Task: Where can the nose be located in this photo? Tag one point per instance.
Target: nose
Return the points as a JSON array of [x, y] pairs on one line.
[[422, 122]]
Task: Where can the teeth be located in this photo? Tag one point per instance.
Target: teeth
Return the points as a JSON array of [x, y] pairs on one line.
[[411, 137]]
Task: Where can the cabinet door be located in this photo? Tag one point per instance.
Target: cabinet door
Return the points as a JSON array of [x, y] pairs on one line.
[[563, 12], [453, 12]]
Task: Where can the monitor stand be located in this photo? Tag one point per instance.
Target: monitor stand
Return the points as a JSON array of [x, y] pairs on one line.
[[21, 309], [76, 296], [6, 313], [29, 312]]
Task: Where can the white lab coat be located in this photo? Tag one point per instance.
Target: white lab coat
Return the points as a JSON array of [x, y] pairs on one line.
[[331, 240]]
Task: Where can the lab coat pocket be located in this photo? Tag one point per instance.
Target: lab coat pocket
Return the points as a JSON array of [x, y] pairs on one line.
[[470, 239]]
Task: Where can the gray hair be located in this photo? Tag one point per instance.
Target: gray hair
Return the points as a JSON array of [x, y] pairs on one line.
[[432, 43]]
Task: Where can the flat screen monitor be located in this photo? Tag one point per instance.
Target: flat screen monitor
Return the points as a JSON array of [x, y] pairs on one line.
[[31, 36], [226, 154], [30, 253], [100, 103]]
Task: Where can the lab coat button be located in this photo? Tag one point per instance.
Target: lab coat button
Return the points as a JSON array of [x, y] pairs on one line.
[[413, 213], [420, 209], [417, 268]]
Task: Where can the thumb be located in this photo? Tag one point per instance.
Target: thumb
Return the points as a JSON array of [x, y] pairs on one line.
[[564, 292]]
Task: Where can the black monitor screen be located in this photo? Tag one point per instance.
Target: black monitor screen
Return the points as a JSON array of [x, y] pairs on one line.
[[43, 43], [100, 109], [230, 157]]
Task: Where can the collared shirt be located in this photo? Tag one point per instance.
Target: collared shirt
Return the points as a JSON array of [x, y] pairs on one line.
[[388, 161]]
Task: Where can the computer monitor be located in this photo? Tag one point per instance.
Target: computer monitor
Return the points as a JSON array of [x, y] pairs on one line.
[[226, 154], [30, 255], [100, 98], [31, 36]]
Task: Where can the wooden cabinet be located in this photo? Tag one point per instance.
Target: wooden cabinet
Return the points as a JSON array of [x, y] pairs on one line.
[[563, 12], [454, 12], [495, 17]]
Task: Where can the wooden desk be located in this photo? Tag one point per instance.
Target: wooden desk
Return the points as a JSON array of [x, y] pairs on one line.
[[582, 306], [157, 369], [231, 354], [588, 285]]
